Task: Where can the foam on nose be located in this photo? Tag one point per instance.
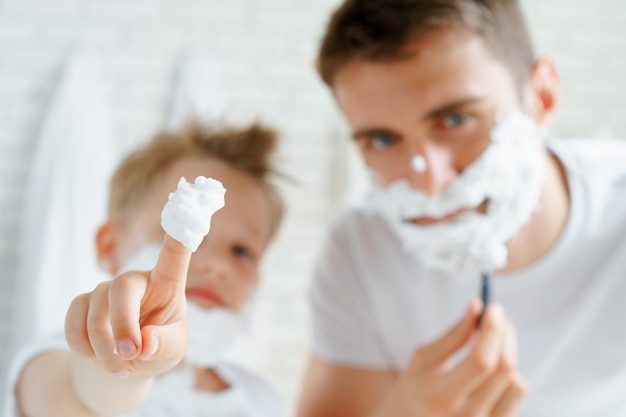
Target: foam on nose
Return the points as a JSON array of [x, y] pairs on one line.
[[187, 214], [418, 163]]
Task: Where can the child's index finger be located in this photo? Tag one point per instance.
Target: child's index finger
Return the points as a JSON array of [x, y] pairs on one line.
[[173, 262]]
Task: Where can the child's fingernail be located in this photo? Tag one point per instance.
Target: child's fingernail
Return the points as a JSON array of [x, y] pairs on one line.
[[126, 349], [155, 345], [123, 374]]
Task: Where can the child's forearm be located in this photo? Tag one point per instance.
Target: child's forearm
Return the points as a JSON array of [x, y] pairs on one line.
[[61, 383], [97, 387]]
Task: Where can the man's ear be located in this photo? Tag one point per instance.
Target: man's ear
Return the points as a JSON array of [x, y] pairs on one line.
[[107, 238], [544, 90]]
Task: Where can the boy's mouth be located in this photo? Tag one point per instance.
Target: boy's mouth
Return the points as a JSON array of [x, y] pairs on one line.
[[204, 296]]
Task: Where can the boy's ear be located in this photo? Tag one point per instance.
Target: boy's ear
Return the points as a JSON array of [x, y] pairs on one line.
[[545, 89], [107, 238]]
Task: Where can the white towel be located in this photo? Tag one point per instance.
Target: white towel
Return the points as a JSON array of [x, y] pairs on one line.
[[65, 202]]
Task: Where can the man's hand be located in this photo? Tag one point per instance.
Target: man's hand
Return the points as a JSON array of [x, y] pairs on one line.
[[484, 382], [136, 323]]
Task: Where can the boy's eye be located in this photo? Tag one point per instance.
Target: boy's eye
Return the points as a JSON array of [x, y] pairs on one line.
[[454, 120], [382, 141], [242, 252]]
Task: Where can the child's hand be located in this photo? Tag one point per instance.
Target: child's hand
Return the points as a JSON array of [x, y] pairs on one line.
[[135, 324]]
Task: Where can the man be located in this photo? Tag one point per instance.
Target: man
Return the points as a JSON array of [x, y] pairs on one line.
[[448, 107]]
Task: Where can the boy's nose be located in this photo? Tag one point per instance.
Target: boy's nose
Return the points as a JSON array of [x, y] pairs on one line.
[[430, 170], [209, 263]]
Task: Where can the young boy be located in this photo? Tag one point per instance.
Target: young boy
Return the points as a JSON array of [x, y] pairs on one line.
[[448, 104], [128, 336]]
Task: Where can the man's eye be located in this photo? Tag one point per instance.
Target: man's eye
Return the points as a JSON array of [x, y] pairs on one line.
[[454, 120], [382, 141]]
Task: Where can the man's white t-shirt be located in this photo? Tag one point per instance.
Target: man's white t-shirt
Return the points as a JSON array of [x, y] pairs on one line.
[[373, 306]]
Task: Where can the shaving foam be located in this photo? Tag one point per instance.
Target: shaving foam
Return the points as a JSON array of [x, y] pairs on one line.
[[187, 214], [508, 175], [213, 333]]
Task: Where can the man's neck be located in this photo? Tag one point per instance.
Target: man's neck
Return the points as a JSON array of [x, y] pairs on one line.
[[545, 227]]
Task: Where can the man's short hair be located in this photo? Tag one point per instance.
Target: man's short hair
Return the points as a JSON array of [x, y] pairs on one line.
[[379, 30]]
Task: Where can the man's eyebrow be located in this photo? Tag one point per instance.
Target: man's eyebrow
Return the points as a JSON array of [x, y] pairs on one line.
[[453, 107], [369, 132]]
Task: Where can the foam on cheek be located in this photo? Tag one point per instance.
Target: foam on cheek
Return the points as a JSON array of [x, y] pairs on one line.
[[509, 174], [187, 214]]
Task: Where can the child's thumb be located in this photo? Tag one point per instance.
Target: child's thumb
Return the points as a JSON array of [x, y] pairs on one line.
[[164, 343]]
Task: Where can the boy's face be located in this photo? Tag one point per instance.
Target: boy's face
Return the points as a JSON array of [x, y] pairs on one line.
[[440, 103], [225, 267]]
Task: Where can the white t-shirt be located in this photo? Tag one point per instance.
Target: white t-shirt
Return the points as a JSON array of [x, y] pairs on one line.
[[373, 306], [172, 393]]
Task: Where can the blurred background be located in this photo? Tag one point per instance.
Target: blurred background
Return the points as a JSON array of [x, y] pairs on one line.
[[262, 54]]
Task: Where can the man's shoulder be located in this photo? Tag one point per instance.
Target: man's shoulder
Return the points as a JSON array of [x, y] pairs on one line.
[[596, 171], [601, 159], [356, 231], [354, 210]]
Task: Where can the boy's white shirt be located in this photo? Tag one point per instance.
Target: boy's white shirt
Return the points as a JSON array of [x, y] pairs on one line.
[[373, 306], [248, 396], [172, 393]]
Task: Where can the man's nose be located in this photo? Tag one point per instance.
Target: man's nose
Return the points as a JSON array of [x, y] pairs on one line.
[[430, 170]]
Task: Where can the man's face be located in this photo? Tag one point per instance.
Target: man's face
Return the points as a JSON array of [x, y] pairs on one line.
[[440, 103]]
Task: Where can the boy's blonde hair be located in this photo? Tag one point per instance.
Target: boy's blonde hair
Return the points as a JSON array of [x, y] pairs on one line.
[[249, 149]]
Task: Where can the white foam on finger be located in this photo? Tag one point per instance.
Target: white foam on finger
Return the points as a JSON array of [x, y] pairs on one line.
[[187, 214]]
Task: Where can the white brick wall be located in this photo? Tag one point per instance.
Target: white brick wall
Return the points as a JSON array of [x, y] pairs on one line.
[[265, 51], [588, 41]]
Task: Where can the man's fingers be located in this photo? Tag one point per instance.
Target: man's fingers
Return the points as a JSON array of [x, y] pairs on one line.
[[125, 294], [484, 356], [433, 355], [489, 393], [511, 401], [173, 263], [509, 353]]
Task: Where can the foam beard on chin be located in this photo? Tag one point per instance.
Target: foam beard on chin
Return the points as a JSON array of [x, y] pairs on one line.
[[214, 333], [508, 176]]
